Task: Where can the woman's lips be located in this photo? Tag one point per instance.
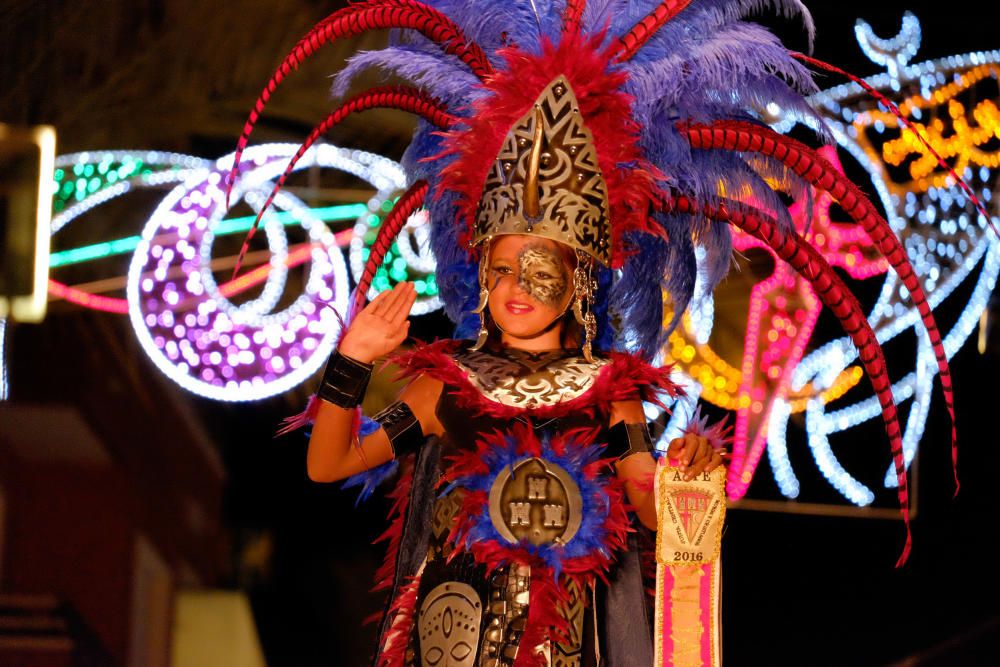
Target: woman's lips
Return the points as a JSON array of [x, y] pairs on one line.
[[518, 308]]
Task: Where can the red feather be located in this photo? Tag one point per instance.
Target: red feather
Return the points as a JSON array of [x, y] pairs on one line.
[[512, 91], [403, 98], [356, 19], [835, 295], [647, 27], [397, 638], [747, 137], [400, 496], [411, 200]]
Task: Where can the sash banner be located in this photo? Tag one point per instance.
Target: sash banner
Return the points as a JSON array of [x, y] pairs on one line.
[[690, 515]]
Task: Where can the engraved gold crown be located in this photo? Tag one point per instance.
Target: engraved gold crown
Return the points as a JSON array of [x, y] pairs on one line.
[[546, 180]]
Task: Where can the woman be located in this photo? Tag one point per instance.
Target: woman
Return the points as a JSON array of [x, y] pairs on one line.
[[580, 158], [531, 290]]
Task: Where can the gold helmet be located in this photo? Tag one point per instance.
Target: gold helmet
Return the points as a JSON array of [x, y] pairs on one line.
[[546, 180]]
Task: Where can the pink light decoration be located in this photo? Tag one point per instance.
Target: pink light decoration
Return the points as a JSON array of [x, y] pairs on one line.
[[86, 299], [782, 316], [298, 255]]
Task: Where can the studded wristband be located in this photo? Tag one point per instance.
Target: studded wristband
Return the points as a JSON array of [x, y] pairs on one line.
[[345, 381], [402, 427], [627, 439]]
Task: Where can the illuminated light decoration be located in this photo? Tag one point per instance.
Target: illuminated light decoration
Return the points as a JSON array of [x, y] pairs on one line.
[[782, 342], [228, 226], [777, 449], [299, 255], [409, 253], [942, 235], [94, 251], [704, 374], [966, 143], [719, 382], [915, 385], [894, 53], [783, 312], [946, 241], [245, 352], [92, 178], [186, 322], [86, 299]]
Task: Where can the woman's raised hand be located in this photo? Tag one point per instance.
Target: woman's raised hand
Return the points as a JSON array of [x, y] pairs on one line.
[[381, 326]]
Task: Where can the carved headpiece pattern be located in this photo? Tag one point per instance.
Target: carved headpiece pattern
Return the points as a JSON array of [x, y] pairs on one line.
[[546, 180]]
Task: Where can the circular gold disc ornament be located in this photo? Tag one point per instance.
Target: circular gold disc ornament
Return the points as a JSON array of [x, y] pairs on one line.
[[537, 501]]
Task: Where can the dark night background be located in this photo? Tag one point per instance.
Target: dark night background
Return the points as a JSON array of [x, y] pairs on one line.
[[798, 589]]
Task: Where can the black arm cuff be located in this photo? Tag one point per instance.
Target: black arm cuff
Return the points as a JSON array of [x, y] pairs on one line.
[[345, 381], [402, 427], [627, 439]]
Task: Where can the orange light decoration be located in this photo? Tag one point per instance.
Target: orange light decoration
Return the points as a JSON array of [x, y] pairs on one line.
[[720, 381], [958, 140]]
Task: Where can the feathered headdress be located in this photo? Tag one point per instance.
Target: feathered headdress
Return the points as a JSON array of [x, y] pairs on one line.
[[672, 93]]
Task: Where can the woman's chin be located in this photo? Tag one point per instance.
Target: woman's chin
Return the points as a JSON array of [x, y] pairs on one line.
[[521, 330]]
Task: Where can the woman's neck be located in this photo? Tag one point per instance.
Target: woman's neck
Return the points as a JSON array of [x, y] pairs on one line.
[[543, 342]]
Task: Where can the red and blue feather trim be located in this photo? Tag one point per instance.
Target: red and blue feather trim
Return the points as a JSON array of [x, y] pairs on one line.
[[605, 522], [627, 377]]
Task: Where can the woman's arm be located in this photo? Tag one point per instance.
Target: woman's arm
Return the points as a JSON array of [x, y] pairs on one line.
[[375, 332], [332, 456], [636, 471], [693, 453]]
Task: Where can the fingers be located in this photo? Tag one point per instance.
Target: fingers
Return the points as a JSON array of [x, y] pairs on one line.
[[378, 304], [692, 445], [401, 332], [702, 460], [392, 303], [694, 455], [399, 308], [684, 449], [384, 307], [675, 447]]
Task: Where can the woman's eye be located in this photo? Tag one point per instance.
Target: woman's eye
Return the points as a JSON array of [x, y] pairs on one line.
[[541, 275], [505, 270]]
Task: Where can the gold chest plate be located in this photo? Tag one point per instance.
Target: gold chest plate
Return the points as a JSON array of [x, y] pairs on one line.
[[529, 380]]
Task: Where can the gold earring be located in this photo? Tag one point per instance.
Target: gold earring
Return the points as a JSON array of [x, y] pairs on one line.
[[484, 298], [583, 288]]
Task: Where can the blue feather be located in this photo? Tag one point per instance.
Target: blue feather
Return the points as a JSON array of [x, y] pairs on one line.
[[369, 480], [590, 536], [445, 76], [706, 64]]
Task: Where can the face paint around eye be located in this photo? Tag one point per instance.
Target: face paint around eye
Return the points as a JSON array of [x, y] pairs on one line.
[[542, 274]]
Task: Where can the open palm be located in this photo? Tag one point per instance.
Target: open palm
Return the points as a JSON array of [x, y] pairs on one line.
[[381, 326]]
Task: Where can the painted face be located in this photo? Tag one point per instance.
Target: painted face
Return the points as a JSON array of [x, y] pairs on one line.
[[542, 274], [530, 283]]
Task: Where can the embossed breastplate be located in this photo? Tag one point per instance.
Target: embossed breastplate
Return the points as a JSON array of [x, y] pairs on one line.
[[529, 379]]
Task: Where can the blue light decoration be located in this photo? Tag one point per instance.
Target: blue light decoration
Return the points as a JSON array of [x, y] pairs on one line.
[[947, 241]]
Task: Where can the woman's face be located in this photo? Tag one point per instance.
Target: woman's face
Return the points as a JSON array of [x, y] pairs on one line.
[[531, 283]]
